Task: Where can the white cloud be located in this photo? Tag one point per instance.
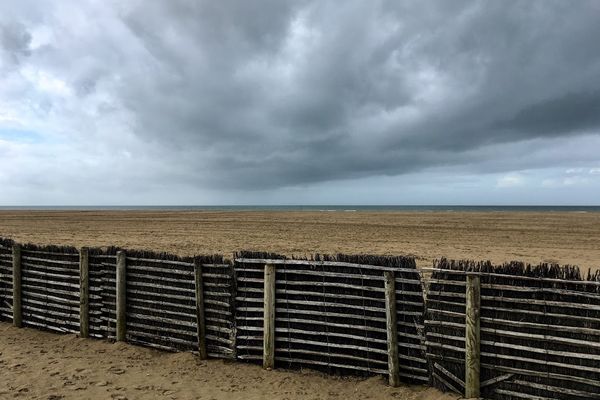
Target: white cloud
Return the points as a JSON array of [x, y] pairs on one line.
[[575, 180], [510, 180], [574, 171]]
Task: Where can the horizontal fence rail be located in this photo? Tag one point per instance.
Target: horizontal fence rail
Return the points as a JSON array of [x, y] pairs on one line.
[[509, 331]]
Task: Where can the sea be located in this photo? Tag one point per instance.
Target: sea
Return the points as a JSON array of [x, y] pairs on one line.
[[317, 208]]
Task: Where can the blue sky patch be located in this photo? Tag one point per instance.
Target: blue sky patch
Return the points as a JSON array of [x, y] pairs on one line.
[[17, 135]]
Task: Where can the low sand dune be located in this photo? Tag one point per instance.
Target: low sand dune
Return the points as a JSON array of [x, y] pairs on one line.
[[48, 366]]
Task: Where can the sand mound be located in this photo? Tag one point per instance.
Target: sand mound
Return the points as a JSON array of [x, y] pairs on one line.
[[41, 365]]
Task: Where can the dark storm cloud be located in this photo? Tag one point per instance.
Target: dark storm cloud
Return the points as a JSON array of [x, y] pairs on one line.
[[573, 112], [264, 94], [282, 93], [14, 41]]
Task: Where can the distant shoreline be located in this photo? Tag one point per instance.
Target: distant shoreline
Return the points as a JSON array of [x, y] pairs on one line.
[[315, 208]]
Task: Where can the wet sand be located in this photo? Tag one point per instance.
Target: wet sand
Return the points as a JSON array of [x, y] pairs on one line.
[[563, 237]]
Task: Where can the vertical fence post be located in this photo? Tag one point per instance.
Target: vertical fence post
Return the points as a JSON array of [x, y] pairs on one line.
[[389, 278], [121, 292], [200, 317], [84, 292], [269, 318], [472, 337], [17, 312]]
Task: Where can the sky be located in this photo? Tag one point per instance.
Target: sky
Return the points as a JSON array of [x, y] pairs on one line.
[[299, 102]]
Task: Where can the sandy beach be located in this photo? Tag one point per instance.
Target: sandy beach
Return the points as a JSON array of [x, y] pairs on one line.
[[41, 365], [562, 237], [47, 366]]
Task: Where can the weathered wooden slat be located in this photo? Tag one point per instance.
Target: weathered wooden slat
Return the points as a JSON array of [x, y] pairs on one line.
[[451, 376], [496, 380], [65, 313], [71, 271], [74, 264], [555, 389], [517, 311], [48, 297], [330, 304], [521, 324], [49, 253], [334, 345], [162, 270], [320, 313], [43, 289], [447, 384], [514, 277], [132, 324], [520, 395], [327, 354], [49, 327], [364, 327], [545, 338], [56, 277], [132, 260], [59, 322], [574, 366], [189, 290], [160, 295], [166, 320], [71, 307], [168, 339], [183, 281], [519, 371], [42, 284], [285, 263], [530, 349], [521, 288]]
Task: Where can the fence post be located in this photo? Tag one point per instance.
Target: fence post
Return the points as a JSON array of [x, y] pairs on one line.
[[472, 337], [121, 293], [389, 278], [17, 312], [200, 317], [269, 318], [84, 292]]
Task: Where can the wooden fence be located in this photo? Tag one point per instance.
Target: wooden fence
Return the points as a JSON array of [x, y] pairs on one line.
[[6, 274], [66, 290], [538, 330], [331, 314], [499, 332]]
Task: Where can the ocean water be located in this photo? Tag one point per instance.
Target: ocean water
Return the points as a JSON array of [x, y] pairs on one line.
[[320, 208]]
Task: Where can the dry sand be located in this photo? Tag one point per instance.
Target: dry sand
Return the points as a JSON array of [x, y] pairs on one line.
[[38, 365], [41, 365], [564, 237]]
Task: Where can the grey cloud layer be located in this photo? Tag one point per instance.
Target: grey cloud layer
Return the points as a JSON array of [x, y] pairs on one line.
[[272, 93]]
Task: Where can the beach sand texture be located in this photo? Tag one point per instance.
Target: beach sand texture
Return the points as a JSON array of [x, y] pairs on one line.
[[563, 237], [46, 366], [40, 365]]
